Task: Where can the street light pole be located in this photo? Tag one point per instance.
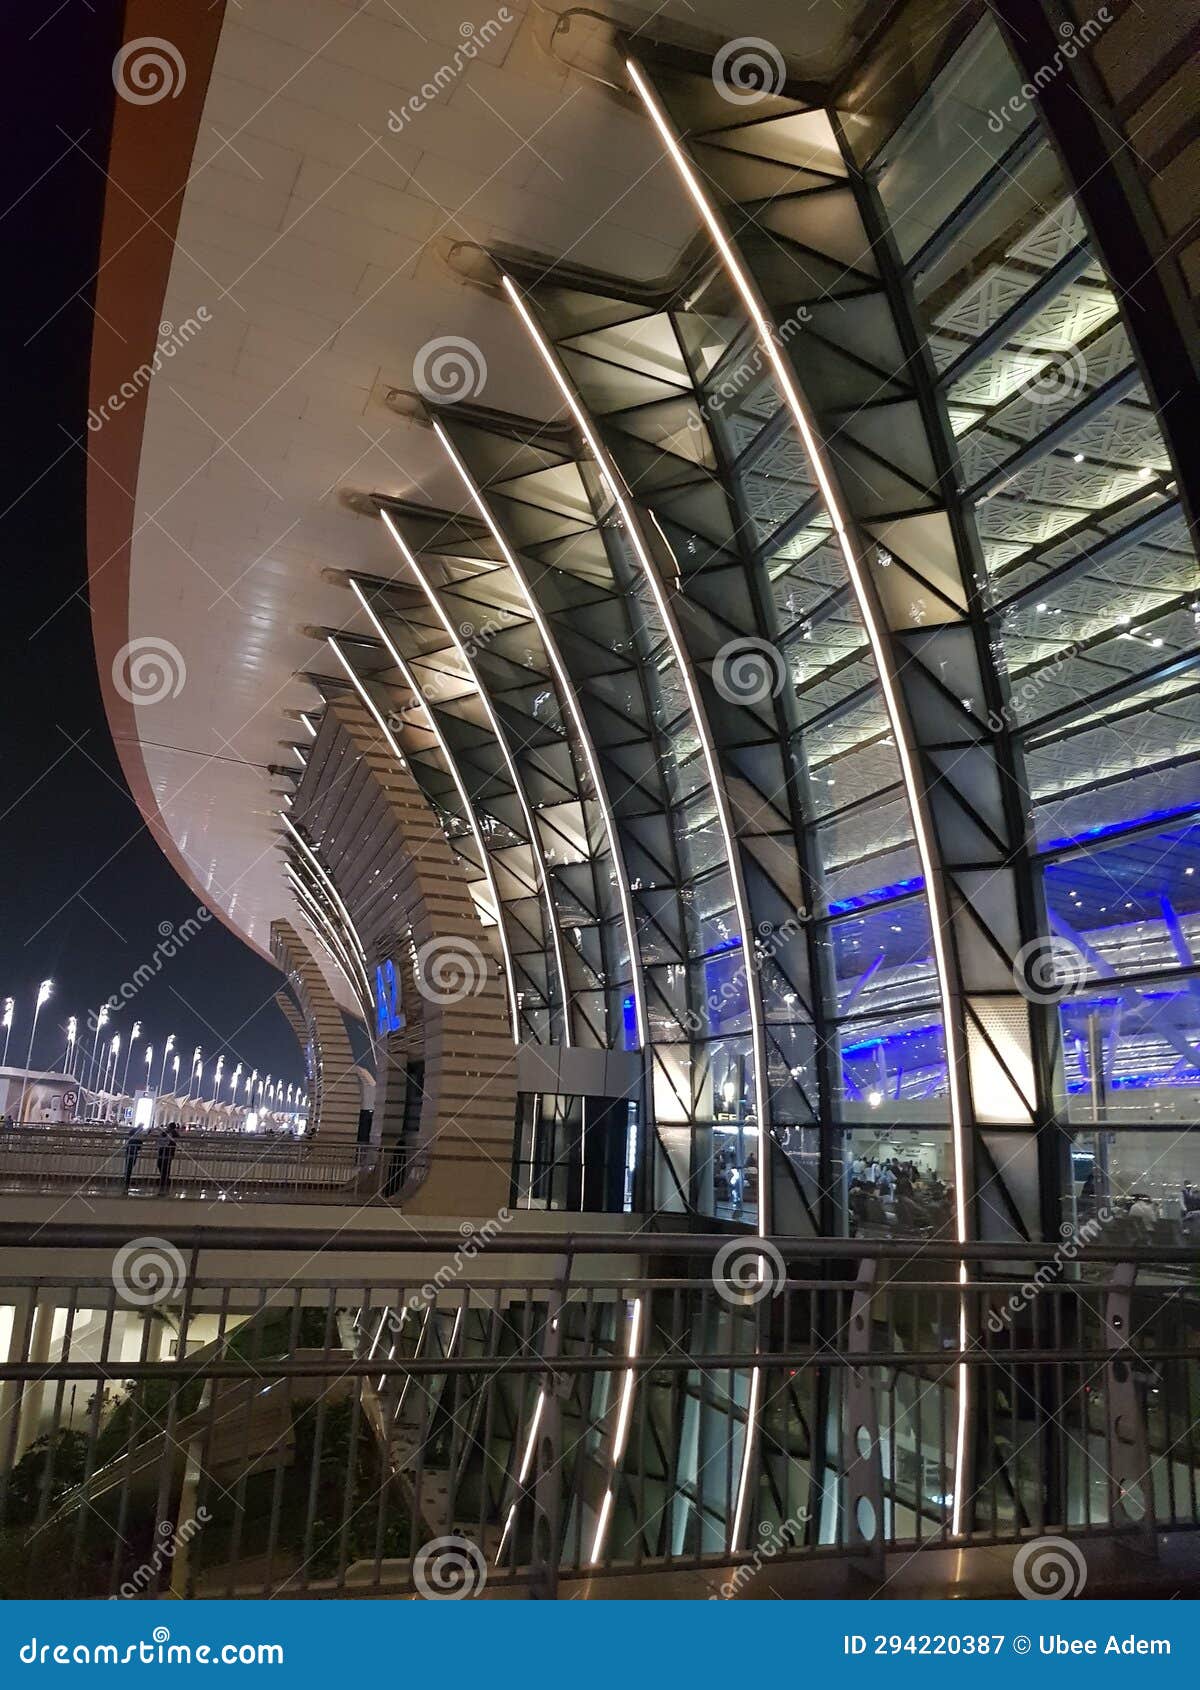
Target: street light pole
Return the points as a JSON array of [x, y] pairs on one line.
[[8, 1020], [110, 1078], [167, 1049], [101, 1023], [134, 1035], [43, 992]]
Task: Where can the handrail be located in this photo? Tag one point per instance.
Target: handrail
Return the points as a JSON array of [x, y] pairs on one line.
[[31, 1234]]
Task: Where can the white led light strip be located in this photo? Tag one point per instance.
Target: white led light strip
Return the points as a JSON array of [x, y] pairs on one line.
[[621, 1434], [327, 882], [613, 481], [332, 932], [567, 694], [683, 664], [526, 1462], [769, 346], [334, 942], [318, 933], [501, 738], [402, 762]]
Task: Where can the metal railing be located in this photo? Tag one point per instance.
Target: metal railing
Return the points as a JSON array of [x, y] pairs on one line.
[[98, 1162], [519, 1410]]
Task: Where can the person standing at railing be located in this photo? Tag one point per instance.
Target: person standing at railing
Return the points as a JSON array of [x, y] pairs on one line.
[[133, 1149], [166, 1155]]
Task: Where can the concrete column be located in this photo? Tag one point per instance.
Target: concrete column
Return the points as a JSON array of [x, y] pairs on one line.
[[29, 1413], [10, 1392]]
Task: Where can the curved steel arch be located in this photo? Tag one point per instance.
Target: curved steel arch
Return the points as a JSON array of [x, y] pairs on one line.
[[529, 741], [501, 736], [488, 810], [562, 519], [336, 1094], [814, 139], [487, 655], [569, 702], [419, 767]]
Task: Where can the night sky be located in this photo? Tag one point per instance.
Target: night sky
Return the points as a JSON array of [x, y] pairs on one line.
[[86, 892]]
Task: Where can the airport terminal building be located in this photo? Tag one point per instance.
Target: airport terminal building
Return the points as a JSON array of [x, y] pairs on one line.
[[654, 575]]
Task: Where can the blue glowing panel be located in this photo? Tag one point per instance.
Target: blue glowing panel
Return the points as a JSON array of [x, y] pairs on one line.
[[629, 1023], [388, 1018]]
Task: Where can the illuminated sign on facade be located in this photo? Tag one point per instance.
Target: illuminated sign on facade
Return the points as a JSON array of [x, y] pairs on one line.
[[388, 1016]]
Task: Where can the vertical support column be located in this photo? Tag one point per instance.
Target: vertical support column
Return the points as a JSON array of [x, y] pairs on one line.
[[13, 1389], [1131, 1493], [547, 1489], [862, 1460], [29, 1412]]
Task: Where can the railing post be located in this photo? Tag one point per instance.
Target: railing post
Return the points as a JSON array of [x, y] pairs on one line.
[[547, 1490], [862, 1459], [1131, 1484]]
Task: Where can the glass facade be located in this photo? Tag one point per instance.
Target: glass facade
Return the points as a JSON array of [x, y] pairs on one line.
[[1091, 601], [821, 676]]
